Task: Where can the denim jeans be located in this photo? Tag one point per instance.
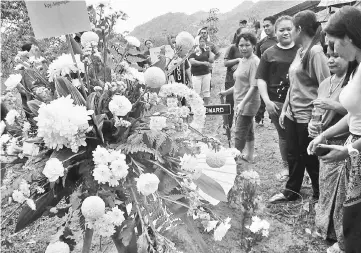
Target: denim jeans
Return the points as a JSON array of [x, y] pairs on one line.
[[298, 159], [243, 131], [282, 142]]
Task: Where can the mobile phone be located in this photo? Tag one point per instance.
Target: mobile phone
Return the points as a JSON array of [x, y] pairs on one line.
[[321, 151]]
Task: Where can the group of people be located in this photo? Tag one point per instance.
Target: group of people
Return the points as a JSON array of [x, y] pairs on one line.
[[312, 94], [313, 99]]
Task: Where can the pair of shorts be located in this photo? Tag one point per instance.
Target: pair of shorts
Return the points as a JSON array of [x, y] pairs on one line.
[[202, 85]]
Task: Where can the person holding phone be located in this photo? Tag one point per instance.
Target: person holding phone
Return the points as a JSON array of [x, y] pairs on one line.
[[329, 210], [307, 71], [343, 29]]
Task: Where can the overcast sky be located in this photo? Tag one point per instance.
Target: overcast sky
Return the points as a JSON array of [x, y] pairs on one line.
[[142, 11]]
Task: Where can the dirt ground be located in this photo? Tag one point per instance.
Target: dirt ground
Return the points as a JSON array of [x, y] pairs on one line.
[[291, 225]]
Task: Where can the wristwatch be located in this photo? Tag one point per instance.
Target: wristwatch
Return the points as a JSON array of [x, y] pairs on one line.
[[352, 151]]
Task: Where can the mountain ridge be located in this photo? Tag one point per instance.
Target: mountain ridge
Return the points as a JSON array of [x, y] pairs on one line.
[[175, 22]]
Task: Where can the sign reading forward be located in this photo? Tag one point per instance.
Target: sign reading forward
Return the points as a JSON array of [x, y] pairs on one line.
[[222, 109], [56, 18]]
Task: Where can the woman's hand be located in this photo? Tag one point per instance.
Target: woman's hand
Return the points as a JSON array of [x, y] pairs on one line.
[[337, 153], [272, 109], [320, 139], [234, 67], [239, 109], [312, 129], [324, 103], [222, 93], [281, 119]]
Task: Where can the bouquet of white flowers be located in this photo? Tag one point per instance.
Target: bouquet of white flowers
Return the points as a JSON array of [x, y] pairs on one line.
[[112, 142]]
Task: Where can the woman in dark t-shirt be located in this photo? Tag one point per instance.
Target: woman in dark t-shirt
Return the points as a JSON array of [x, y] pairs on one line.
[[201, 61], [273, 82]]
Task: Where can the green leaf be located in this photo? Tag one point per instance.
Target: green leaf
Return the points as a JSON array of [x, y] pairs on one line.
[[142, 244], [194, 232], [66, 88], [91, 101], [211, 187], [127, 233], [65, 155], [98, 122], [34, 106]]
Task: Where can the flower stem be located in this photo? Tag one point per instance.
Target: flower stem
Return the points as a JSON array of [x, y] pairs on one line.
[[88, 236]]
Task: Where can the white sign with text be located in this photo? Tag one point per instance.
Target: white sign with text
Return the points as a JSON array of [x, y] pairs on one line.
[[56, 18]]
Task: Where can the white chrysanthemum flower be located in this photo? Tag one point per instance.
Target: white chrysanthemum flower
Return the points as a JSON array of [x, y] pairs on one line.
[[11, 116], [259, 226], [39, 189], [31, 204], [57, 247], [26, 127], [59, 127], [116, 155], [184, 111], [251, 176], [147, 183], [209, 225], [154, 77], [132, 41], [101, 173], [216, 159], [24, 187], [64, 65], [172, 102], [30, 149], [98, 88], [53, 169], [120, 105], [222, 229], [188, 163], [4, 139], [19, 67], [13, 147], [43, 93], [157, 123], [76, 83], [185, 42], [89, 38], [93, 208], [18, 196], [116, 216], [101, 155], [2, 127], [13, 81], [122, 123], [119, 169], [104, 225]]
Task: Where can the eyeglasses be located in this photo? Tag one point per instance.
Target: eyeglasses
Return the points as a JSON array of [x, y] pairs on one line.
[[203, 32]]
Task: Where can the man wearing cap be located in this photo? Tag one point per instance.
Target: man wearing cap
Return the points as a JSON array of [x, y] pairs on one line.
[[242, 25], [203, 32]]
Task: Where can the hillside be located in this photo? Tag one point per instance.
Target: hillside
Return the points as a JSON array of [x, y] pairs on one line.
[[173, 23]]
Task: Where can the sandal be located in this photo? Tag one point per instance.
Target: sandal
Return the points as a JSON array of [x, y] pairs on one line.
[[243, 157], [279, 197]]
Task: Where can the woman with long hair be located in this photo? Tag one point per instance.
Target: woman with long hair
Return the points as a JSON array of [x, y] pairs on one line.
[[307, 71], [329, 210], [245, 94], [344, 30]]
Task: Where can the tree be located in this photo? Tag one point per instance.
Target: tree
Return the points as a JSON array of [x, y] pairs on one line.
[[212, 24]]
